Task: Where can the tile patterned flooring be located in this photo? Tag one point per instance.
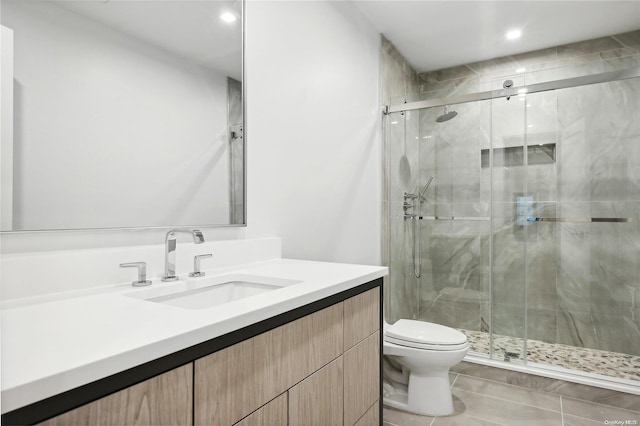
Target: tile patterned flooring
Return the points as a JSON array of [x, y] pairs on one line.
[[583, 359], [481, 401]]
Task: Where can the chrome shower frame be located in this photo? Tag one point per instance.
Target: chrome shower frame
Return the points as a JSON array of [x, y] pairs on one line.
[[519, 90]]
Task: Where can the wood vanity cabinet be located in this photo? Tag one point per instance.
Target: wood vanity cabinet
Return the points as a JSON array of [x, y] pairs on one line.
[[321, 368], [235, 381], [316, 401], [166, 399], [327, 362], [272, 414]]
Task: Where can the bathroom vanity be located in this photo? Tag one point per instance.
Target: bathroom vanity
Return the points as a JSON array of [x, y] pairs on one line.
[[305, 354]]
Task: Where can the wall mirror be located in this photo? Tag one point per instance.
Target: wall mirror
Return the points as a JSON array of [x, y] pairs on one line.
[[121, 114]]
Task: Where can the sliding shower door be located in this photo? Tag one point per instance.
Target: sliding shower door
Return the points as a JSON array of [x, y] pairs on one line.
[[586, 298], [401, 130], [565, 172], [517, 221], [511, 199], [454, 225]]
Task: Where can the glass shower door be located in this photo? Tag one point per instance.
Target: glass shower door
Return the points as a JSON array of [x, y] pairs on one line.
[[584, 293], [565, 265], [454, 225], [511, 202]]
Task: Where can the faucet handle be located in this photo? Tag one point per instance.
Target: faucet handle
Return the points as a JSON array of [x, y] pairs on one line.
[[142, 273], [196, 265]]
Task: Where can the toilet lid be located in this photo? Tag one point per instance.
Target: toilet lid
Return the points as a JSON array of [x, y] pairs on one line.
[[424, 333]]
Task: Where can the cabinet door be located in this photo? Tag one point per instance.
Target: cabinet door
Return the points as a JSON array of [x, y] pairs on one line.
[[361, 317], [235, 381], [361, 378], [272, 414], [318, 399], [371, 417], [163, 400]]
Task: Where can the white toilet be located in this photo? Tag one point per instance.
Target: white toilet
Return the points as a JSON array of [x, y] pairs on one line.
[[424, 352]]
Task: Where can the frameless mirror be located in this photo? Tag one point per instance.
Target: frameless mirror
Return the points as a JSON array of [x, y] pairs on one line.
[[121, 114]]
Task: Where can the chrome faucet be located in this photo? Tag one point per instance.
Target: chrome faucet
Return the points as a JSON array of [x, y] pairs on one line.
[[170, 251]]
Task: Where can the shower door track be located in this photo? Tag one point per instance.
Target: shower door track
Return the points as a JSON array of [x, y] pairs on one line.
[[520, 90]]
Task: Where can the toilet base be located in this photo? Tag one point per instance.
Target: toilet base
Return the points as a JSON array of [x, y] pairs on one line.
[[430, 395]]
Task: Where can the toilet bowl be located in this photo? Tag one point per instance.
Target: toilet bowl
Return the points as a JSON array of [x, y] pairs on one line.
[[423, 353]]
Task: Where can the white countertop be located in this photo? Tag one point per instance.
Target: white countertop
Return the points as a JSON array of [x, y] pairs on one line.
[[55, 343]]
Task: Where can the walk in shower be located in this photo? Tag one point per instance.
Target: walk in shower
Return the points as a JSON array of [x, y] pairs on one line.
[[527, 233]]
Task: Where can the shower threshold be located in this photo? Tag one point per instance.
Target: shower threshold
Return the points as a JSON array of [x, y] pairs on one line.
[[582, 365]]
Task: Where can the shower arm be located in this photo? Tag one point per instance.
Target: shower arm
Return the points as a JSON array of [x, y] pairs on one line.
[[426, 186]]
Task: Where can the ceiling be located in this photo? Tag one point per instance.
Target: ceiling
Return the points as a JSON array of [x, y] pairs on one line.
[[189, 28], [433, 35]]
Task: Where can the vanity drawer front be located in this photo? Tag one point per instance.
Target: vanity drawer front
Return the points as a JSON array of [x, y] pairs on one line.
[[166, 399], [318, 399], [371, 417], [235, 381], [275, 413], [361, 317], [361, 378]]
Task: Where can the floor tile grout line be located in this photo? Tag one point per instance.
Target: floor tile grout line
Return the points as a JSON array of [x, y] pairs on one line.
[[528, 389], [612, 407], [486, 420], [454, 381], [524, 388], [550, 393], [509, 400], [580, 416]]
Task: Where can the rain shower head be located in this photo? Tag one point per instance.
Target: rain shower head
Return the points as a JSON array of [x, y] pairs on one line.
[[448, 115]]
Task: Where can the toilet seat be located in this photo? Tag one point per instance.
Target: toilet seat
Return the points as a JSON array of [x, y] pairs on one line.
[[425, 335]]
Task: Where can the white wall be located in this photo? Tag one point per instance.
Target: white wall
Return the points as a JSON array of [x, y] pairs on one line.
[[314, 156], [6, 127], [314, 152], [112, 131]]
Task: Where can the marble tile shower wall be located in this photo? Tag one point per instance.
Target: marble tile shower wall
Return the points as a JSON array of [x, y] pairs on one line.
[[236, 152], [581, 58], [580, 281]]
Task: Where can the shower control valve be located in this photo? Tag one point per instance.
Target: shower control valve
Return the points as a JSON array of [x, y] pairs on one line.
[[409, 196]]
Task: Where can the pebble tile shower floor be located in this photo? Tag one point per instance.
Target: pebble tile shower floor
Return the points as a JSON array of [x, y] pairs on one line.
[[606, 363]]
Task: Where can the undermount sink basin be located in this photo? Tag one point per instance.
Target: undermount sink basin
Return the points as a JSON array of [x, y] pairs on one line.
[[206, 292]]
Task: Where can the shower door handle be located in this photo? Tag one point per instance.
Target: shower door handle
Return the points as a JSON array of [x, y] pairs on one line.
[[580, 219], [478, 218]]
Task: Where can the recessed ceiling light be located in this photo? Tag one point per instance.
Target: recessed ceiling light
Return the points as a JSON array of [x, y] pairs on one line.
[[521, 69], [514, 34], [228, 17]]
